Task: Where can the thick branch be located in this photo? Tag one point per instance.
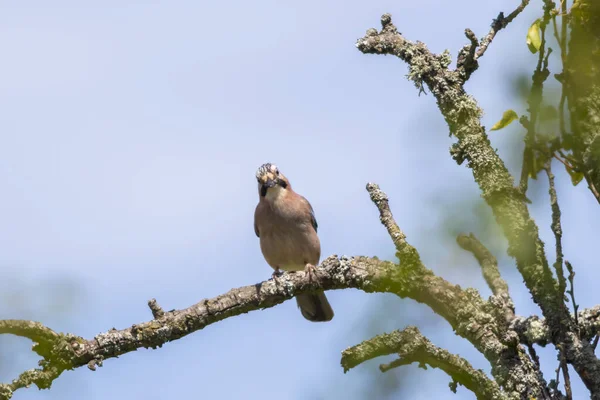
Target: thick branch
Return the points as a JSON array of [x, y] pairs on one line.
[[434, 291], [411, 346], [68, 351], [470, 316], [334, 273], [535, 330], [482, 323], [465, 310], [508, 205]]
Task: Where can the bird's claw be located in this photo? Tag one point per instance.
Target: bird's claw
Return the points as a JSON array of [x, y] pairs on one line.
[[311, 271], [276, 274]]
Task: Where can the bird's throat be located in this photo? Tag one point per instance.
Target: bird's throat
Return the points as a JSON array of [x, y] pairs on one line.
[[275, 193]]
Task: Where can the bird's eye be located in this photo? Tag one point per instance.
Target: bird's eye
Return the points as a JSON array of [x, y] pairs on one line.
[[277, 171]]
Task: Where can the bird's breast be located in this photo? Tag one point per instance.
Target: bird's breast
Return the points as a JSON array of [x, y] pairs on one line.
[[289, 245]]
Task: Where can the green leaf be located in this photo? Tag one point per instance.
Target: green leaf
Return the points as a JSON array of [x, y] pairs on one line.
[[534, 40], [576, 177], [508, 117]]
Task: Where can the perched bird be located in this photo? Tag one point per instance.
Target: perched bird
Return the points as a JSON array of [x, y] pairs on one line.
[[286, 225]]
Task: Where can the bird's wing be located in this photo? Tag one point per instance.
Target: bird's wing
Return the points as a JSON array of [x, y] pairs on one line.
[[313, 219], [256, 212]]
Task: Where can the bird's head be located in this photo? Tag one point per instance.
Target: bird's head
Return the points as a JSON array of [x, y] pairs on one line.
[[271, 182]]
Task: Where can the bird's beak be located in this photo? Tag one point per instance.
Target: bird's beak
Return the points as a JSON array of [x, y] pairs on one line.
[[271, 182]]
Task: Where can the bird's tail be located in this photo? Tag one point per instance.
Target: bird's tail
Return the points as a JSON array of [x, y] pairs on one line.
[[315, 307]]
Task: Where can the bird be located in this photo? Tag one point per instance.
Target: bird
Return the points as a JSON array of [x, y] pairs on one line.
[[285, 223]]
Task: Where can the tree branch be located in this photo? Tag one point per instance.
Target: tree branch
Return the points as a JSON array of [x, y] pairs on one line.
[[482, 323], [447, 300], [69, 351], [470, 316], [411, 346], [498, 24], [535, 330], [567, 378], [42, 336], [489, 264], [489, 268], [42, 378], [404, 250], [157, 311], [508, 204], [556, 229], [582, 86], [571, 291], [534, 101], [468, 56]]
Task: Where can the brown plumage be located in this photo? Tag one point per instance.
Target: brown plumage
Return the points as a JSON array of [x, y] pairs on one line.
[[286, 225]]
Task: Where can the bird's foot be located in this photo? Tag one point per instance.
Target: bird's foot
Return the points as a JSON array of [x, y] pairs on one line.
[[311, 271], [276, 274]]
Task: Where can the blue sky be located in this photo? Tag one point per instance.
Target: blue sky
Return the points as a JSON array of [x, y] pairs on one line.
[[131, 131]]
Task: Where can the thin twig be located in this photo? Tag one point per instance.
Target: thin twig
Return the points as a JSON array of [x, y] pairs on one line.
[[474, 42], [557, 370], [556, 229], [533, 354], [555, 30], [540, 74], [498, 24], [592, 187], [571, 291], [489, 264], [563, 161], [468, 56], [565, 370], [563, 56], [405, 251], [157, 311], [569, 393], [563, 30], [536, 361]]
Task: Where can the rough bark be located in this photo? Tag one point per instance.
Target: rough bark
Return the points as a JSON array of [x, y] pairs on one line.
[[508, 204], [582, 80], [411, 346]]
